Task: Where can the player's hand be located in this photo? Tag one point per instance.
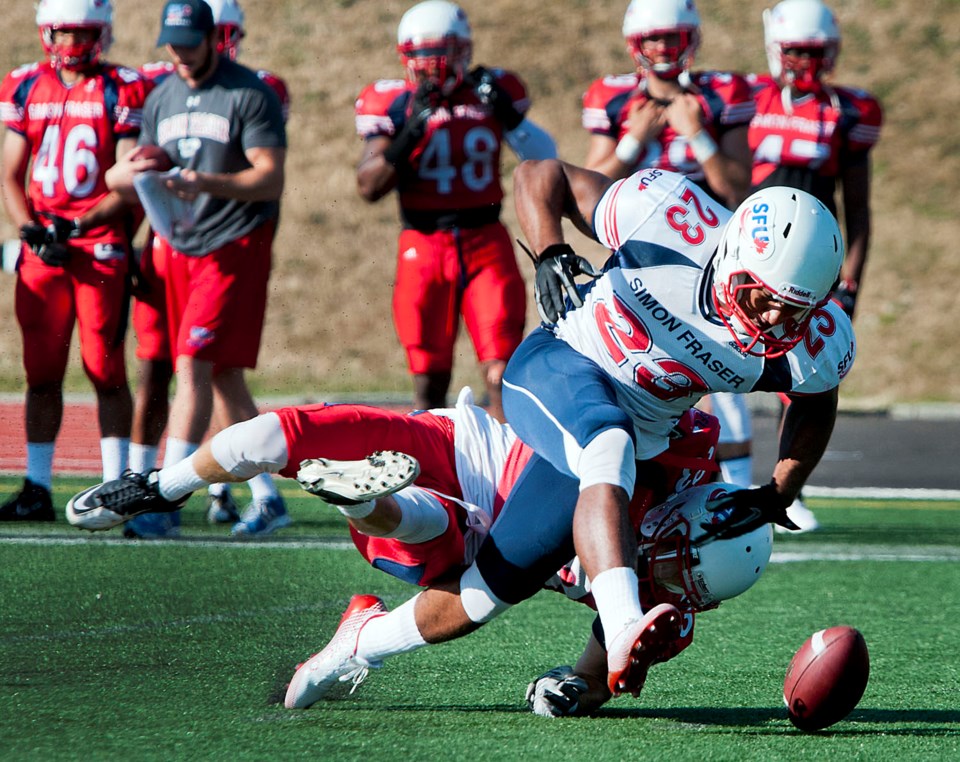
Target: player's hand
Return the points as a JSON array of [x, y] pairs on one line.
[[33, 234], [491, 93], [60, 229], [557, 266], [556, 693], [744, 510], [685, 115], [424, 102], [646, 120], [38, 238], [846, 296]]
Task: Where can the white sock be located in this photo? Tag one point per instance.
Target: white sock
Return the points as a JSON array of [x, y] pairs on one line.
[[616, 593], [40, 463], [358, 511], [114, 454], [738, 471], [177, 450], [393, 633], [262, 487], [179, 479], [143, 457]]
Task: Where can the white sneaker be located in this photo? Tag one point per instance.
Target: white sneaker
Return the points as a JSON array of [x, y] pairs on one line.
[[338, 662], [800, 515], [640, 645], [349, 482]]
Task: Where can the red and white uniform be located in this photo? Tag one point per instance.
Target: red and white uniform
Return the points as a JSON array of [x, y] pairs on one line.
[[724, 97], [73, 134], [806, 142], [454, 255]]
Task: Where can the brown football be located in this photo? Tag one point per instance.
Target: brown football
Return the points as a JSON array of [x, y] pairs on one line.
[[154, 152], [826, 678]]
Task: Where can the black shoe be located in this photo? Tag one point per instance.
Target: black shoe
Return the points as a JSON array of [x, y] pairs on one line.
[[112, 503], [32, 503]]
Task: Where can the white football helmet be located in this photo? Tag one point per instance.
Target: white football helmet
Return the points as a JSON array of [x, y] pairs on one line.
[[806, 25], [228, 16], [59, 15], [435, 43], [645, 18], [783, 240], [696, 579]]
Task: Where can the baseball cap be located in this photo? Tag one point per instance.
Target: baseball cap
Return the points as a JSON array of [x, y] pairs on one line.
[[185, 23]]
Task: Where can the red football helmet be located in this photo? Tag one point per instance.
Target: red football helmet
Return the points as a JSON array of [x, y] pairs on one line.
[[435, 43], [228, 16], [802, 41], [677, 21], [697, 578], [74, 15]]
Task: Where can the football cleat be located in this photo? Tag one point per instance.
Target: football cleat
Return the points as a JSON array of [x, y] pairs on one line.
[[350, 482], [110, 504], [800, 515], [32, 503], [153, 526], [640, 645], [262, 517], [222, 508], [338, 662]]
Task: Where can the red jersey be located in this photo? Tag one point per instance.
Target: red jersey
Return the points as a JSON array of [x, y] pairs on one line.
[[456, 166], [805, 143], [73, 134], [724, 97]]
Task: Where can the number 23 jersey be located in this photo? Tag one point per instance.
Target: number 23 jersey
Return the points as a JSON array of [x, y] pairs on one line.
[[649, 320]]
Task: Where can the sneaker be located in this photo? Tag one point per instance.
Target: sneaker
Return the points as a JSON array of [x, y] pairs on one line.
[[222, 508], [349, 482], [112, 503], [262, 517], [153, 526], [338, 662], [640, 645], [32, 503], [800, 515]]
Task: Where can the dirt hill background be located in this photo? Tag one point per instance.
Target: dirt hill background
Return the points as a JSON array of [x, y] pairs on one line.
[[329, 327]]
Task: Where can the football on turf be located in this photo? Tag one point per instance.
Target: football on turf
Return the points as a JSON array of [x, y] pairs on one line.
[[826, 678], [154, 152]]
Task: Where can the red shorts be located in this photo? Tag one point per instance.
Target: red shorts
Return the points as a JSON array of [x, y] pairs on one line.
[[216, 303], [150, 308], [441, 275], [88, 291], [351, 432]]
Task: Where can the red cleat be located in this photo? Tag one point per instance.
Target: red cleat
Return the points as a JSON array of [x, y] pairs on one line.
[[640, 645]]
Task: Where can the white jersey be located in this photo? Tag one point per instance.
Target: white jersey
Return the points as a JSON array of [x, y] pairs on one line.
[[649, 322]]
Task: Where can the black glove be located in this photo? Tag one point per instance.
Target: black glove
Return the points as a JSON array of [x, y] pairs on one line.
[[33, 234], [40, 239], [492, 94], [846, 295], [556, 693], [557, 266], [60, 229], [746, 510], [423, 104]]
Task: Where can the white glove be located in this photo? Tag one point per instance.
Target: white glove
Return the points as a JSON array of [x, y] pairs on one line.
[[556, 693]]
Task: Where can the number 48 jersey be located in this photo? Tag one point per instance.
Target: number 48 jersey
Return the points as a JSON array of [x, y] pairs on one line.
[[649, 320], [73, 134]]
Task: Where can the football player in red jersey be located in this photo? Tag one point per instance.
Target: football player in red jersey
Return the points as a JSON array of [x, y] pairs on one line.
[[665, 115], [155, 366], [68, 118], [436, 139]]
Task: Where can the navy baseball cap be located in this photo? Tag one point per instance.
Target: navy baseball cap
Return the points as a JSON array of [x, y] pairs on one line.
[[185, 23]]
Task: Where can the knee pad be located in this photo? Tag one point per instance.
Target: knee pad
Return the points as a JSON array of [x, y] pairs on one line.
[[609, 458], [477, 599], [251, 447]]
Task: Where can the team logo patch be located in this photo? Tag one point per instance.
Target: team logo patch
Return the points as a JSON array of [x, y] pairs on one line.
[[756, 224], [200, 337], [178, 15]]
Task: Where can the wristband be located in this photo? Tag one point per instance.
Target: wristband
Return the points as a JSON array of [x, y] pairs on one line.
[[628, 150], [703, 146]]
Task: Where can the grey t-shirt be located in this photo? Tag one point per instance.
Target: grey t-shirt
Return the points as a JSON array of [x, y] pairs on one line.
[[208, 129]]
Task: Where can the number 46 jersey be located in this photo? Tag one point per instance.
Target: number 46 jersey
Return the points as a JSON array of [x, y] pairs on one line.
[[649, 321], [73, 134]]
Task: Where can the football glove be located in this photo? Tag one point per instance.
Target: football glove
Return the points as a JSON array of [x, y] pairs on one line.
[[33, 234], [41, 240], [492, 94], [846, 296], [557, 266], [422, 105], [742, 511], [60, 229], [556, 693]]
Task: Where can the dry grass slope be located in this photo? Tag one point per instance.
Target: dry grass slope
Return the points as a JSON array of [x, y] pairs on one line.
[[329, 323]]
